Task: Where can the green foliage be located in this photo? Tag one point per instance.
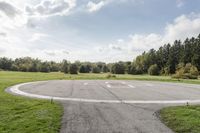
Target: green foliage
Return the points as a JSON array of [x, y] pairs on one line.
[[96, 69], [194, 71], [153, 70], [118, 68], [45, 67], [186, 72], [65, 66], [108, 76], [84, 69], [73, 69], [169, 56], [5, 63], [105, 69]]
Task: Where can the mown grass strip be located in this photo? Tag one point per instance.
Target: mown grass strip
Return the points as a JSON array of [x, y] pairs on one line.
[[182, 119]]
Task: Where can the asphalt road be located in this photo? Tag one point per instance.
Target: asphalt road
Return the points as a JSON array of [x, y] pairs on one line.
[[101, 106]]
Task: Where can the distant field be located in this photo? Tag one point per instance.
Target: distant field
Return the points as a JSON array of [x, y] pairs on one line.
[[24, 115], [90, 76]]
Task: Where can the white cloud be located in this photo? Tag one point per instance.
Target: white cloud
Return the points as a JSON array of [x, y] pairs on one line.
[[139, 43], [9, 9], [37, 36], [57, 52], [182, 27], [11, 16], [3, 34], [2, 50], [96, 6], [93, 7], [115, 47], [50, 53], [50, 8]]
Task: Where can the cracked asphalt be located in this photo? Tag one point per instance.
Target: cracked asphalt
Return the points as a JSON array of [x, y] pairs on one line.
[[102, 117]]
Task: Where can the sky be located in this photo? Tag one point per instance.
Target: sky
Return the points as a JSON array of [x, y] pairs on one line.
[[93, 30]]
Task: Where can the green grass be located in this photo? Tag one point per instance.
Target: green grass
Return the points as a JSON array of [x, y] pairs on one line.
[[24, 115], [183, 119]]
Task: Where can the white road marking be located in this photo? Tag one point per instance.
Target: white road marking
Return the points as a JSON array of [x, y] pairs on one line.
[[106, 82], [109, 86], [123, 82], [85, 83], [15, 90], [131, 86]]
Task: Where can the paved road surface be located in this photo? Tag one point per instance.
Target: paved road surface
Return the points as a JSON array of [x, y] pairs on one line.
[[100, 106]]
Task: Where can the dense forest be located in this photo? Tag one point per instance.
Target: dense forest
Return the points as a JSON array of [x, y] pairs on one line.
[[179, 57]]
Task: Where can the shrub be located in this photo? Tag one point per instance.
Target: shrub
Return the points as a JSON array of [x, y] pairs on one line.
[[153, 70], [96, 70], [110, 76], [73, 69], [118, 68], [187, 72], [105, 69], [187, 68], [65, 66], [194, 71], [178, 74], [82, 69], [44, 67]]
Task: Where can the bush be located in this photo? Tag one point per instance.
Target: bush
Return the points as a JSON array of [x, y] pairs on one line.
[[118, 68], [73, 69], [187, 68], [105, 69], [96, 70], [110, 76], [132, 69], [44, 67], [65, 66], [187, 72], [153, 70], [178, 74], [194, 71], [82, 69]]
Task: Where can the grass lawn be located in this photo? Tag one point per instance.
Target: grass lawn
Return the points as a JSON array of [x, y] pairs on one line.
[[183, 119], [24, 115]]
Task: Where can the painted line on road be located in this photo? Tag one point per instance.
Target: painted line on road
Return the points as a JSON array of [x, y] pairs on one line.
[[106, 82], [109, 86], [124, 83], [15, 90], [85, 83], [131, 86]]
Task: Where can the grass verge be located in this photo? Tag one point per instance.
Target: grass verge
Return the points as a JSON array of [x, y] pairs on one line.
[[24, 115], [182, 119]]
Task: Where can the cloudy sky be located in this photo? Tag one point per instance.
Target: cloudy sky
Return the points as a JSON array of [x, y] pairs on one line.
[[93, 30]]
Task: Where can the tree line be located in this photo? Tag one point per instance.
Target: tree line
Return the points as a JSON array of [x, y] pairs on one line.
[[168, 57], [167, 60]]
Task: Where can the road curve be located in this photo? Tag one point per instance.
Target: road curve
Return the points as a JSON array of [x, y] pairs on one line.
[[111, 105]]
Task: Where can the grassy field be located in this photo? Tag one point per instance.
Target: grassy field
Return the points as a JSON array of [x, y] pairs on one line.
[[183, 119], [24, 115]]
